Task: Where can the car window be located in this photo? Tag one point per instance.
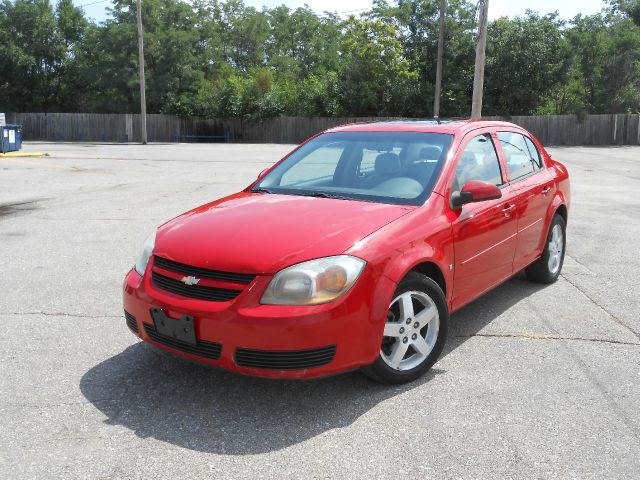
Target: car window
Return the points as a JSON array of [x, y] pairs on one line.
[[478, 161], [369, 155], [520, 160], [321, 163], [535, 153], [388, 167]]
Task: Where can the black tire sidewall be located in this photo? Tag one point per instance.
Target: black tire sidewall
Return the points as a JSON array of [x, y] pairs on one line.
[[382, 372]]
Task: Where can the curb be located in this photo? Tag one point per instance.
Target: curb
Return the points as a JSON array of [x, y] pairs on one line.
[[23, 154]]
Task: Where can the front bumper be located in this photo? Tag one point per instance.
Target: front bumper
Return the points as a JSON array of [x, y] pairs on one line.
[[347, 332]]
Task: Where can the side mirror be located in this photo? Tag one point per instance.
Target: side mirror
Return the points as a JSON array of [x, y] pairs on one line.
[[474, 191]]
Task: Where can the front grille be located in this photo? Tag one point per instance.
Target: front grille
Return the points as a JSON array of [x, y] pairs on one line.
[[202, 348], [285, 359], [214, 294], [202, 272], [131, 322]]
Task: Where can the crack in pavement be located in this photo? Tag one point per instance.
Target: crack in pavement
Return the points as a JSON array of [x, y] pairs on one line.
[[61, 314], [61, 404], [581, 264], [614, 317], [536, 336], [588, 371]]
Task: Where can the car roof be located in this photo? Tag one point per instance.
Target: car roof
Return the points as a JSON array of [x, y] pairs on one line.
[[452, 127]]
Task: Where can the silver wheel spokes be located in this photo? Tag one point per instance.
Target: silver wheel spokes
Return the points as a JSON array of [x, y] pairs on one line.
[[411, 330], [556, 247]]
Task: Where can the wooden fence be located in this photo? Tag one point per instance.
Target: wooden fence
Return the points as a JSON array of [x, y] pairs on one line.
[[621, 129]]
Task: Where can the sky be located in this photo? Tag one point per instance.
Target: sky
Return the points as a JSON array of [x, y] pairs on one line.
[[497, 8]]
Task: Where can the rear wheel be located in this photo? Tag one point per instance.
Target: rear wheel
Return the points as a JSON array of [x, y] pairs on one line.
[[548, 267], [414, 333]]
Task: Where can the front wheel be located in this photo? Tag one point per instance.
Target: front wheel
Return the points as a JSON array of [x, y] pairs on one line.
[[548, 267], [414, 333]]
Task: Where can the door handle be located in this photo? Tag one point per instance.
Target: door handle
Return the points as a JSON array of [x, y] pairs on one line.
[[507, 209], [546, 190]]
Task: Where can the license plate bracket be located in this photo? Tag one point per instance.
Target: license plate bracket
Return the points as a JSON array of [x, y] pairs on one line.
[[182, 329]]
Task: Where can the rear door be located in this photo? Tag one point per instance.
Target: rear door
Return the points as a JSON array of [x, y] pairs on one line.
[[533, 189], [484, 233]]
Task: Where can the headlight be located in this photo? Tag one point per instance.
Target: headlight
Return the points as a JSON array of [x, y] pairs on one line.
[[147, 250], [313, 282]]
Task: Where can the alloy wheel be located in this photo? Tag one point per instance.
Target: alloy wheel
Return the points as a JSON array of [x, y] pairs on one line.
[[411, 330], [556, 247]]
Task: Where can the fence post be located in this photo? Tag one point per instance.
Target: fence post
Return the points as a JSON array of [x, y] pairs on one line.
[[128, 127]]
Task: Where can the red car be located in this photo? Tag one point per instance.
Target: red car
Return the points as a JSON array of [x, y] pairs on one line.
[[353, 250]]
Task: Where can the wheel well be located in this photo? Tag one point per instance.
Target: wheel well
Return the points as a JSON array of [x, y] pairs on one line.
[[432, 271], [562, 211]]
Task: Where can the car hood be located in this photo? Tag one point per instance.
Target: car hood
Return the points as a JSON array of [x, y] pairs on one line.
[[263, 233]]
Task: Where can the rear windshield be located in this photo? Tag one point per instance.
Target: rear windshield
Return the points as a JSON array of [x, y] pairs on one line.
[[385, 167]]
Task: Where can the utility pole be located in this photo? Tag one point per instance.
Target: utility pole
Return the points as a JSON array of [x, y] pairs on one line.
[[478, 74], [143, 100], [436, 100]]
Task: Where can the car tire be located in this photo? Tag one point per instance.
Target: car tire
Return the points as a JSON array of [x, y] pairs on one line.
[[548, 267], [411, 343]]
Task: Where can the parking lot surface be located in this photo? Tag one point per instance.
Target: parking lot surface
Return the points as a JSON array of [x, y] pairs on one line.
[[535, 382]]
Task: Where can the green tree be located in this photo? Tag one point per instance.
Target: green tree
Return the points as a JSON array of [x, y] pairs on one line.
[[605, 64], [376, 78], [220, 58], [417, 24], [31, 51], [630, 8], [110, 58], [526, 58]]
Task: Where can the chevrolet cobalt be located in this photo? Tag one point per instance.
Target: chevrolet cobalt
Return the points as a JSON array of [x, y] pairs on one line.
[[353, 250]]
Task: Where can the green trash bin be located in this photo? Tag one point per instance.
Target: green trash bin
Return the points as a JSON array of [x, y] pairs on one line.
[[10, 138]]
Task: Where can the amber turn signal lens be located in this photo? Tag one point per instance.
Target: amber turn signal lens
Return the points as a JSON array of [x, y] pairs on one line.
[[333, 279], [313, 282]]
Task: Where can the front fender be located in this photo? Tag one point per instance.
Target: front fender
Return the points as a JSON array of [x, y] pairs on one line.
[[399, 268], [419, 237]]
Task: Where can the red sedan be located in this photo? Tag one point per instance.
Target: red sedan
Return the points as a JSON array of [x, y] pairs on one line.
[[353, 250]]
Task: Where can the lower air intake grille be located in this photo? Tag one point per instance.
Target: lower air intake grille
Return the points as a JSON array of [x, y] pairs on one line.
[[285, 359], [131, 322], [203, 348]]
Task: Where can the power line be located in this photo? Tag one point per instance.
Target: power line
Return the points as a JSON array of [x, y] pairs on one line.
[[93, 3], [324, 15], [327, 15], [350, 11]]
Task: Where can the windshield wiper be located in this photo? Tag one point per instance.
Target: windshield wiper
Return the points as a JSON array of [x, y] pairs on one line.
[[323, 195], [260, 190]]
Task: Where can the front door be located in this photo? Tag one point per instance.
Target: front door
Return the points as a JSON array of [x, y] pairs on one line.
[[484, 233]]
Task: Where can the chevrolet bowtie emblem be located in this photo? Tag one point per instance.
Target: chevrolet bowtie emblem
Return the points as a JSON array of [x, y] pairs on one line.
[[190, 280]]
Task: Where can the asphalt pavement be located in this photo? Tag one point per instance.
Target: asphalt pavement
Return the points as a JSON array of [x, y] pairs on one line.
[[535, 382]]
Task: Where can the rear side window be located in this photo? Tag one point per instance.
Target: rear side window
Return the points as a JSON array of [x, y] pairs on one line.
[[478, 161], [522, 159], [535, 153]]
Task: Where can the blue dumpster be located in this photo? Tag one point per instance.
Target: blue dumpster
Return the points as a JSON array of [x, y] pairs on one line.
[[10, 138]]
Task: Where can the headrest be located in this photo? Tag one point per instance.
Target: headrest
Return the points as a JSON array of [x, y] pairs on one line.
[[429, 153], [467, 158], [387, 164]]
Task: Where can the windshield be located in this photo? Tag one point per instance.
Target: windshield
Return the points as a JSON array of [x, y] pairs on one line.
[[385, 167]]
